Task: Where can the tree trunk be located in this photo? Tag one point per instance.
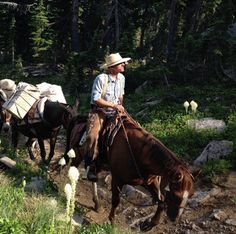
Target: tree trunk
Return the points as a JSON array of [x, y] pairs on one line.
[[117, 25], [196, 16], [143, 28], [74, 26], [170, 29]]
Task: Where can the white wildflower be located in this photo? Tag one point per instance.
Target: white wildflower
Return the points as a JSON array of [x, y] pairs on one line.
[[186, 105], [73, 174], [68, 191], [71, 153], [62, 162], [194, 106], [23, 182]]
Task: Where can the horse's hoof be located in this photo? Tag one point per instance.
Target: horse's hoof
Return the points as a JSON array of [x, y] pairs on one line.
[[99, 209], [146, 226]]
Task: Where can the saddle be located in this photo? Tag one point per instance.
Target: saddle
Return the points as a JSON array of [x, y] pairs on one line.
[[106, 137]]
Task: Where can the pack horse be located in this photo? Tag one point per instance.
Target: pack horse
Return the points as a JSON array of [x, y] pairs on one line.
[[50, 119], [136, 157]]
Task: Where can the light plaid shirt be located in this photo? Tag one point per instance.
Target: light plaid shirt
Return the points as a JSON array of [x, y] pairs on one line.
[[115, 88]]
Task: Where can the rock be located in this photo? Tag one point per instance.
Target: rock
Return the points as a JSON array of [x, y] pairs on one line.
[[36, 184], [231, 222], [214, 150], [143, 87], [218, 215], [133, 193], [207, 123], [201, 197], [151, 103], [77, 220], [8, 162]]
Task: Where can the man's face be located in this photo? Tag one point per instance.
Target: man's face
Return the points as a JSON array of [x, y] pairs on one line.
[[119, 67]]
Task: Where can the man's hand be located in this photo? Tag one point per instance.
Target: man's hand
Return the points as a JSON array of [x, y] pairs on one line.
[[120, 108]]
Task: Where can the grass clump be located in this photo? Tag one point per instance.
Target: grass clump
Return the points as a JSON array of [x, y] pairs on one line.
[[214, 169], [28, 213], [101, 229]]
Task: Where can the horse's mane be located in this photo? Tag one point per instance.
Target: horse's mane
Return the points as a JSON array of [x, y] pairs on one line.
[[168, 157]]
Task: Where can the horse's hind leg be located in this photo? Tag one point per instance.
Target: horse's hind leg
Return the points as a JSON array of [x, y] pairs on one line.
[[115, 200], [29, 145]]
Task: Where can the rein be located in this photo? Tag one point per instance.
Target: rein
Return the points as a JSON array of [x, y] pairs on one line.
[[130, 148]]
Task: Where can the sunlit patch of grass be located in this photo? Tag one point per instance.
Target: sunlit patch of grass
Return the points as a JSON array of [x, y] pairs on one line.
[[40, 214], [168, 120], [28, 213]]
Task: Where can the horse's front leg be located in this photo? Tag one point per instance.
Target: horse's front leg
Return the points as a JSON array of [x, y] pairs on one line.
[[42, 149], [149, 224], [115, 199], [155, 190], [52, 148]]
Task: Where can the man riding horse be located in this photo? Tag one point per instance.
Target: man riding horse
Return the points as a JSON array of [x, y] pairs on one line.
[[106, 100]]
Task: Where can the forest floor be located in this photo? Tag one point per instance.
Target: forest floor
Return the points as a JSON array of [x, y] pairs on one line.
[[214, 213]]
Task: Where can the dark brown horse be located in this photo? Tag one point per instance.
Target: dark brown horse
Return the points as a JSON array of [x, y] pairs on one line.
[[54, 116], [136, 157]]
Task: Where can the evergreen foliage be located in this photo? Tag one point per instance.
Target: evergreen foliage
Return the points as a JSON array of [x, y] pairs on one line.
[[183, 41]]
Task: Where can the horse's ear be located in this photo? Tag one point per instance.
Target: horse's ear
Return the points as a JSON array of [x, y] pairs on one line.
[[195, 171]]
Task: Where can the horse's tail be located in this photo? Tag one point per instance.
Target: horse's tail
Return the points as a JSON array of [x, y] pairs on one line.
[[68, 136], [75, 120]]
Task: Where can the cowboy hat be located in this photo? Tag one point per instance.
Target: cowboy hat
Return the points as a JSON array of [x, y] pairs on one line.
[[113, 59]]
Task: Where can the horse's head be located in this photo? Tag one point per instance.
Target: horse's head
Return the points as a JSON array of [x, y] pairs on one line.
[[5, 116], [6, 120], [180, 189]]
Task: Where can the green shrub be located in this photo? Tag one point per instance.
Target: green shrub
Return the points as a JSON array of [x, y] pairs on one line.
[[212, 169]]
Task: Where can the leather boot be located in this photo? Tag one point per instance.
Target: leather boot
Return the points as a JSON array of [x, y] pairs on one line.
[[92, 172]]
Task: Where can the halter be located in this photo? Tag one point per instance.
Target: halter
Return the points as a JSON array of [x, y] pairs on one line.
[[6, 116]]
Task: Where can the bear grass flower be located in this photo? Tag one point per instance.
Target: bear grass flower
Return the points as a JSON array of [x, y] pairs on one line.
[[68, 192], [62, 162], [73, 174], [194, 106], [71, 153], [186, 105]]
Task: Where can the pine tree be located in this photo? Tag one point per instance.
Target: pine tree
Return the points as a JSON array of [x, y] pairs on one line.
[[40, 36]]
